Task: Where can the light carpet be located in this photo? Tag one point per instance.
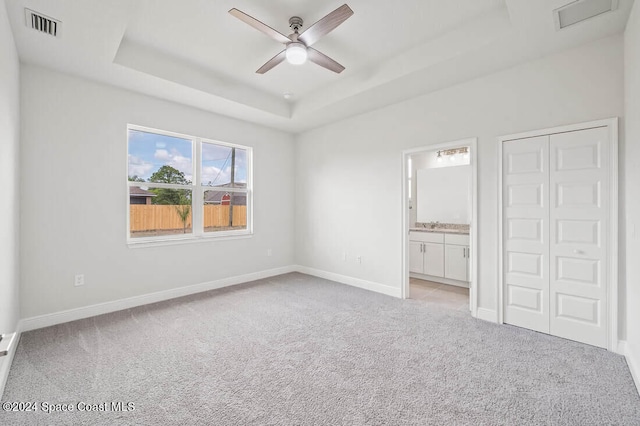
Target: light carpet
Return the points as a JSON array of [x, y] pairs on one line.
[[299, 350]]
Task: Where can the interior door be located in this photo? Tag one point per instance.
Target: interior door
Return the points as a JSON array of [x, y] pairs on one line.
[[525, 232], [579, 220]]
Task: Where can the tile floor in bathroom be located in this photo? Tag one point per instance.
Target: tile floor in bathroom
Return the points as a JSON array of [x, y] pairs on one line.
[[443, 295]]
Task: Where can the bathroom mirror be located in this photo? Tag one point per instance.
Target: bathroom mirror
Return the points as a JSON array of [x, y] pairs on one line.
[[443, 195]]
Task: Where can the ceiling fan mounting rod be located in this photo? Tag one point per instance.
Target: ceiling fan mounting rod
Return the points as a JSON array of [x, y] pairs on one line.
[[295, 22]]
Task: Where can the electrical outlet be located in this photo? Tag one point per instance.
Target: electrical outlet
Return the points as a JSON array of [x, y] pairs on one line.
[[344, 256], [79, 280], [359, 259], [269, 252]]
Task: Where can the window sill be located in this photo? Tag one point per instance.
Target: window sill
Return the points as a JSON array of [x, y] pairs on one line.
[[132, 244]]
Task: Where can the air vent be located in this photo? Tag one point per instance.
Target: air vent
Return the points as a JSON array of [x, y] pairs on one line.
[[42, 23], [581, 10]]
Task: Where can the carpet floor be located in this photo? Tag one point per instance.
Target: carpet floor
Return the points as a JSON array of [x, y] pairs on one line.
[[299, 350]]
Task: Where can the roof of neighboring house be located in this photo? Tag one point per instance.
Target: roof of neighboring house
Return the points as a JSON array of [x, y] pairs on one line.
[[136, 191], [212, 196]]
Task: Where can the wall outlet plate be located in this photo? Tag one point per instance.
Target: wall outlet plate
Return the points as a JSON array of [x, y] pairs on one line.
[[78, 280]]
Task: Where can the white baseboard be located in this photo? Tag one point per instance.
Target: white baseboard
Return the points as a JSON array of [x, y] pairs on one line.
[[487, 315], [47, 320], [355, 282], [6, 361], [632, 354]]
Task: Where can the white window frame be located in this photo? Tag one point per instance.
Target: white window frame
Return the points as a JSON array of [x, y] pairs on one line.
[[197, 194]]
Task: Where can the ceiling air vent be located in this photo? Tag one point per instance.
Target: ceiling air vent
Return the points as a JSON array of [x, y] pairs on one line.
[[42, 23], [581, 10]]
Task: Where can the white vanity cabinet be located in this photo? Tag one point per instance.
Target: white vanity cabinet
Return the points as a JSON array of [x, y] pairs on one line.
[[416, 257], [439, 255], [426, 253], [456, 266]]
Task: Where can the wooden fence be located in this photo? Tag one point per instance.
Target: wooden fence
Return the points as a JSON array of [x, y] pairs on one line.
[[160, 217]]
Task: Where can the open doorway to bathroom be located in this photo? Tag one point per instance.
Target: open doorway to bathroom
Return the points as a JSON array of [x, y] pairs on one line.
[[440, 224]]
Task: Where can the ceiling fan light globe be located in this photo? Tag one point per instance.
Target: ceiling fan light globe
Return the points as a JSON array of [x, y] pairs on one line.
[[296, 53]]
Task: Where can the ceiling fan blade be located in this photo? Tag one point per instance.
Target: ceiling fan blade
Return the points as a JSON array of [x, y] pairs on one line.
[[324, 26], [279, 58], [260, 26], [323, 60]]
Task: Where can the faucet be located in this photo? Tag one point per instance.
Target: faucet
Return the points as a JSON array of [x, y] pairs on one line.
[[433, 224]]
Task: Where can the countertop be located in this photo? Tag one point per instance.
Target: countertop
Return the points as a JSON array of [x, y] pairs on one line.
[[441, 230]]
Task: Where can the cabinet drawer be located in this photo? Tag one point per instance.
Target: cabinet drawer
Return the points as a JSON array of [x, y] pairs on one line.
[[426, 237], [459, 239]]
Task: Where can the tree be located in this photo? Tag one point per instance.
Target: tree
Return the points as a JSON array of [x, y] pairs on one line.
[[168, 174], [184, 209], [136, 178], [167, 196], [180, 198]]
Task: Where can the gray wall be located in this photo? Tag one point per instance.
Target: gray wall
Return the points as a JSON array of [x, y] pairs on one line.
[[349, 173], [631, 162], [74, 196], [9, 161]]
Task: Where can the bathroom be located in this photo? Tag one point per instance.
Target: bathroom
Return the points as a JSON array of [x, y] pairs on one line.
[[440, 217]]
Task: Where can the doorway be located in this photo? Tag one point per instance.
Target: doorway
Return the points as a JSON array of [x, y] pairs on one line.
[[439, 247]]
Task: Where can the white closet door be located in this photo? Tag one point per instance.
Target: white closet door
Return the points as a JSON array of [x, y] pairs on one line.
[[579, 222], [525, 233]]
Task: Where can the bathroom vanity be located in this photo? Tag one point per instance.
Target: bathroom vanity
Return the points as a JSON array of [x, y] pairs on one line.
[[440, 255]]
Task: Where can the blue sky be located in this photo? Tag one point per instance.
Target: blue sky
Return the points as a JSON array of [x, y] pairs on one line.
[[148, 152]]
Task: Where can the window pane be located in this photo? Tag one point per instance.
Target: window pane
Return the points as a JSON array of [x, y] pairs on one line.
[[159, 211], [224, 211], [159, 158], [217, 161]]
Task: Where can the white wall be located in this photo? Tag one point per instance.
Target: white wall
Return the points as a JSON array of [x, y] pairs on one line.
[[349, 173], [73, 196], [631, 160], [9, 161]]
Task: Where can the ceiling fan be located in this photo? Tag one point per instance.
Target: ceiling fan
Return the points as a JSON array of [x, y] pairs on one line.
[[298, 46]]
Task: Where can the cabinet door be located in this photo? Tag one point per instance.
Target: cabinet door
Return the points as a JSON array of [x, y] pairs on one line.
[[416, 257], [455, 262], [434, 259]]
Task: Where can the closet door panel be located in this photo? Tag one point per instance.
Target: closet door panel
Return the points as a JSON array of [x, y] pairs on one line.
[[525, 230], [579, 217]]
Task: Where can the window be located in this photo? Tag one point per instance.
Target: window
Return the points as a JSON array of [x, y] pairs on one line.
[[185, 187]]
